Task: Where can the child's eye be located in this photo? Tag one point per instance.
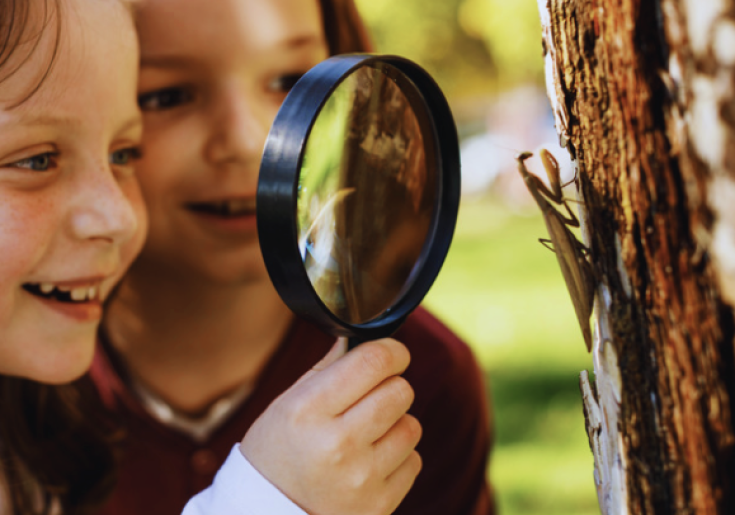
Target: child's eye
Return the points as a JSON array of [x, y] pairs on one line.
[[166, 98], [124, 156], [284, 83], [37, 163]]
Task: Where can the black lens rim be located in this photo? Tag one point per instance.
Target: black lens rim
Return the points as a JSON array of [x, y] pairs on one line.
[[277, 193]]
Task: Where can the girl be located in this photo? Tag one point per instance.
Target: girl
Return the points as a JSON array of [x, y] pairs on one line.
[[196, 343], [71, 220]]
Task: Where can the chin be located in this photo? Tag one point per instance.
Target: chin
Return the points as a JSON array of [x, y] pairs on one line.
[[62, 374], [216, 268], [241, 277], [234, 270], [60, 362]]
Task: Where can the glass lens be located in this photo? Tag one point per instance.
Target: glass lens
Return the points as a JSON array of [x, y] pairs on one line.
[[366, 195]]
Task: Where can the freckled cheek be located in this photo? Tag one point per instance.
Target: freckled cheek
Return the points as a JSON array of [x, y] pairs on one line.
[[27, 230]]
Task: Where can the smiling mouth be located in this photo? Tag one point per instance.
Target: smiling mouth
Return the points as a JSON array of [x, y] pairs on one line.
[[225, 208], [70, 295]]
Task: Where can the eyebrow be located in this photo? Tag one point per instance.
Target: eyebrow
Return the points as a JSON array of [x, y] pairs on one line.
[[132, 123], [305, 40], [53, 120], [68, 121], [181, 61]]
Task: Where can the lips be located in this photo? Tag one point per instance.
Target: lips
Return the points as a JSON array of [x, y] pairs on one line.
[[230, 208], [79, 300]]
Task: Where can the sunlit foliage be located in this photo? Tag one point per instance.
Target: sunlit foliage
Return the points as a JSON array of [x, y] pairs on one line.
[[512, 33], [472, 47]]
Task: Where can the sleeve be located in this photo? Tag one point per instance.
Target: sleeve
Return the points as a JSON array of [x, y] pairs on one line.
[[238, 488]]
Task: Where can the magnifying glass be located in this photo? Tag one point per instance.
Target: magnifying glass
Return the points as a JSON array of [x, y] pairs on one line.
[[358, 193]]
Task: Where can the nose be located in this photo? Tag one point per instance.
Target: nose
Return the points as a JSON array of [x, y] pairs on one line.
[[238, 128], [101, 210]]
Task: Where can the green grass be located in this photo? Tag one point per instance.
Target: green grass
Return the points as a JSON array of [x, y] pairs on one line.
[[504, 294]]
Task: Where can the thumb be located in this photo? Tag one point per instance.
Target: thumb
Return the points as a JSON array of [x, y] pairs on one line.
[[337, 351]]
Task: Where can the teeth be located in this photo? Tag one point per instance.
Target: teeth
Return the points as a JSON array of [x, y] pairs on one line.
[[78, 293], [227, 207], [236, 206]]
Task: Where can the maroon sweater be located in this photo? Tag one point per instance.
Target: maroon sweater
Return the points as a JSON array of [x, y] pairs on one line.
[[161, 468]]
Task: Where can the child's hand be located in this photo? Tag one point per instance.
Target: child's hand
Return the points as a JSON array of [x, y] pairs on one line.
[[339, 440]]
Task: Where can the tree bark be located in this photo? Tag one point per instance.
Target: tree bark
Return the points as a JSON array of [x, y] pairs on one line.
[[643, 93]]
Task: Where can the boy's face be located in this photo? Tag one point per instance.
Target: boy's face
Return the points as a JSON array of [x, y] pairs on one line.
[[212, 77], [71, 214]]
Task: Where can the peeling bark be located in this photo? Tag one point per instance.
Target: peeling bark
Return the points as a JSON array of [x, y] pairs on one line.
[[643, 93]]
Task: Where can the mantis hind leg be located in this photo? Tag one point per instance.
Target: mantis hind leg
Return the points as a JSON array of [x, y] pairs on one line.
[[572, 220], [547, 243]]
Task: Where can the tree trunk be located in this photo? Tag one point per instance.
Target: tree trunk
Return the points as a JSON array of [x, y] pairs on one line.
[[643, 93]]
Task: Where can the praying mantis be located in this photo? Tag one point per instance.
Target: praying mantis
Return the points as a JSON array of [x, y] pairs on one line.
[[571, 253]]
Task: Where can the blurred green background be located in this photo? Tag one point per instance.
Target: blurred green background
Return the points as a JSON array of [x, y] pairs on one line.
[[500, 289]]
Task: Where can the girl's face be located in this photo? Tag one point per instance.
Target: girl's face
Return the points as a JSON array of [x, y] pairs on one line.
[[213, 75], [71, 215]]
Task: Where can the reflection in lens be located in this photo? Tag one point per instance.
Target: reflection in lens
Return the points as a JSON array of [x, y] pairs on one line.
[[366, 197]]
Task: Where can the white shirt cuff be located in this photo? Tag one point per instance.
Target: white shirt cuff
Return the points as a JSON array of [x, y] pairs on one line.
[[240, 489]]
